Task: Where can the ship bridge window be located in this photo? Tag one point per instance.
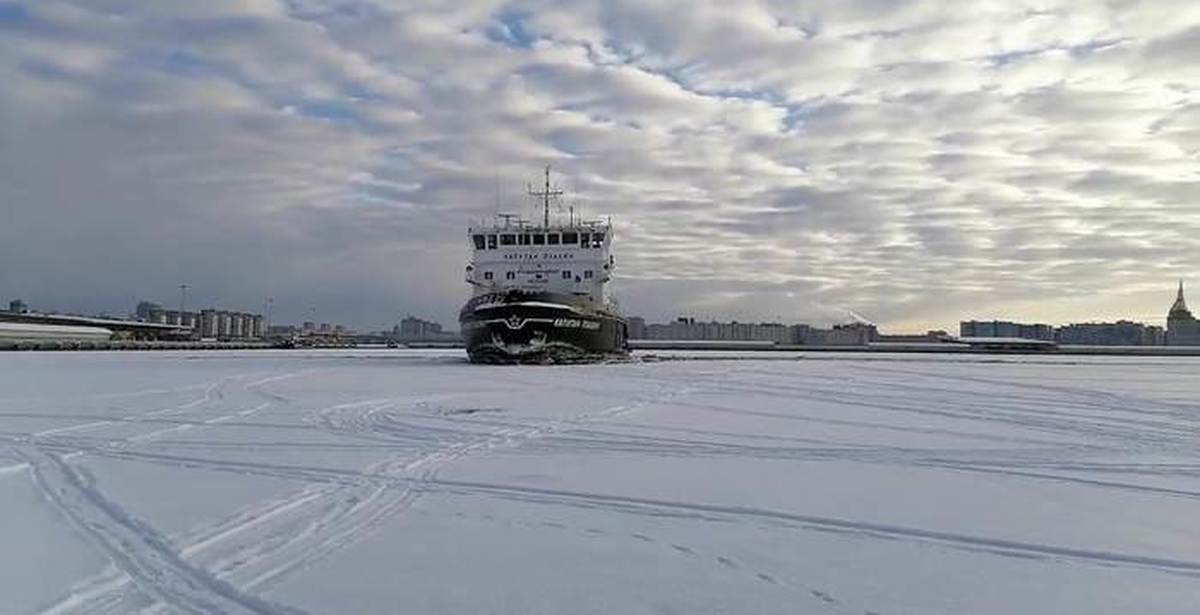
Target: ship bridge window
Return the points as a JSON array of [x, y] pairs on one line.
[[587, 275], [525, 239], [566, 274], [539, 239], [552, 239], [597, 240], [508, 240], [569, 238], [478, 239], [491, 242], [585, 240]]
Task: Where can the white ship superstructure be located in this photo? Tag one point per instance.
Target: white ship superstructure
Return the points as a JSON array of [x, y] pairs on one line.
[[571, 259]]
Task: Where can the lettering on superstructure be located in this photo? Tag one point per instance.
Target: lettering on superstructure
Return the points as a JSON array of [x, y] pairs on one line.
[[535, 256], [576, 323]]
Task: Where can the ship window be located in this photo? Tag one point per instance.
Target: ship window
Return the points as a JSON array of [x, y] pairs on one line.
[[552, 239], [491, 242], [508, 240], [539, 239], [585, 240], [566, 275], [478, 241], [525, 239], [597, 240], [569, 238], [510, 275], [487, 275], [587, 275]]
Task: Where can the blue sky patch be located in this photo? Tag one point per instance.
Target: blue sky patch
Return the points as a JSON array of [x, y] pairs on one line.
[[12, 13], [327, 110], [509, 29]]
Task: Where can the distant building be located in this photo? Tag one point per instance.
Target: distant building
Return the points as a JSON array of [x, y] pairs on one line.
[[1004, 328], [1182, 328], [284, 331], [684, 328], [688, 329], [216, 324], [208, 324], [1120, 333], [853, 334], [145, 308], [850, 334], [412, 328], [16, 306], [637, 327], [156, 315]]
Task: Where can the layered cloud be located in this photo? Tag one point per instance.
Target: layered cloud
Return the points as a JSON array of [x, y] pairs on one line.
[[912, 161]]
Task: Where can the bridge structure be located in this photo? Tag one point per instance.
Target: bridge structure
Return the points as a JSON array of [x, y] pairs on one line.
[[125, 328]]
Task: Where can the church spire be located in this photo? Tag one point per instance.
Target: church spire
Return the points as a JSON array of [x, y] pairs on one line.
[[1179, 308]]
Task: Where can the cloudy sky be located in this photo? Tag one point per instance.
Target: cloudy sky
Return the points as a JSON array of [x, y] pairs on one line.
[[914, 162]]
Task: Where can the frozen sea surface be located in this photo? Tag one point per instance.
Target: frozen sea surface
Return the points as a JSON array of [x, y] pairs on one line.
[[412, 482]]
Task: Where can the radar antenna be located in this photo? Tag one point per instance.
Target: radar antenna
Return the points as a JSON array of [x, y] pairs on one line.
[[546, 193]]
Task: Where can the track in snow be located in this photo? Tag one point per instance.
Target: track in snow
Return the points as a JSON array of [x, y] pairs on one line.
[[314, 522], [945, 421], [147, 558]]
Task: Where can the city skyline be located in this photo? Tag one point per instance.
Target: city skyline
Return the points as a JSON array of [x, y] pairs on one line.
[[848, 316], [915, 164], [144, 312]]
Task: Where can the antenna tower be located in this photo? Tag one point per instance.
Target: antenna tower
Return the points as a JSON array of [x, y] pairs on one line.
[[496, 186], [546, 193]]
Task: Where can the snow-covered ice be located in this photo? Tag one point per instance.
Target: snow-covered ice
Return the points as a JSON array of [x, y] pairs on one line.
[[411, 482]]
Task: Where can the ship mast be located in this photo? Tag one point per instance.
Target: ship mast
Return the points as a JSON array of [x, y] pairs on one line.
[[546, 193]]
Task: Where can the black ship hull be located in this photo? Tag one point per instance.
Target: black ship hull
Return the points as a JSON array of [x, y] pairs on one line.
[[540, 327]]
